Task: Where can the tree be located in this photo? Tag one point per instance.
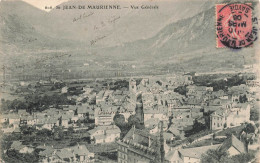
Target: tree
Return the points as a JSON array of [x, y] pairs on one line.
[[190, 140], [249, 128], [44, 133], [214, 156], [181, 90], [119, 119], [225, 125], [247, 135], [197, 127], [58, 133], [70, 130], [243, 99], [134, 120], [254, 114], [214, 136], [27, 130], [241, 158], [15, 156]]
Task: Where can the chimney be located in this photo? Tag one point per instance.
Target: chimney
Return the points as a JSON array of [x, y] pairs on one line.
[[134, 132], [161, 143], [149, 141]]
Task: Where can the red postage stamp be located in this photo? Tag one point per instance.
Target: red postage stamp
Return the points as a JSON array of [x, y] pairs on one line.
[[234, 25]]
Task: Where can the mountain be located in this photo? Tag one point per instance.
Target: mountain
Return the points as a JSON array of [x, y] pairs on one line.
[[181, 37], [120, 26], [23, 34], [190, 42]]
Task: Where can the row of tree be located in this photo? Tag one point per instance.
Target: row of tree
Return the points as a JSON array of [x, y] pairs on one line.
[[35, 102]]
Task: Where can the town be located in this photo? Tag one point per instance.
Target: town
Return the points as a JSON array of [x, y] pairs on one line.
[[173, 118]]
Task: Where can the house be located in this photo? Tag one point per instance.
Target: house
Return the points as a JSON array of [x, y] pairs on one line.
[[182, 116], [99, 97], [64, 89], [14, 118], [70, 108], [227, 117], [198, 90], [105, 134], [87, 90], [154, 113], [177, 131], [49, 123], [153, 125], [81, 153], [4, 118], [233, 146], [83, 110], [65, 120], [18, 146], [23, 120], [105, 115], [47, 154], [91, 114], [140, 146], [104, 119], [31, 120], [22, 112], [65, 155], [188, 155]]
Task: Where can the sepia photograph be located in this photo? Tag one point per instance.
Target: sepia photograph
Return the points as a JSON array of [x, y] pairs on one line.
[[129, 81]]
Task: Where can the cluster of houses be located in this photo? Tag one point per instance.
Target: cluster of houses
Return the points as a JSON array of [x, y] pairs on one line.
[[47, 119], [78, 153], [48, 153], [233, 146], [159, 104]]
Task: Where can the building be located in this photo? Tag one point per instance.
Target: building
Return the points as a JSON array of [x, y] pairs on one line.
[[14, 119], [104, 119], [141, 146], [83, 110], [188, 155], [81, 153], [64, 89], [104, 134], [104, 114], [228, 117], [18, 146], [139, 111], [233, 146], [132, 86]]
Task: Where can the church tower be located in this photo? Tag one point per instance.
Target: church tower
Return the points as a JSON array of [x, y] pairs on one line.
[[132, 86], [139, 111]]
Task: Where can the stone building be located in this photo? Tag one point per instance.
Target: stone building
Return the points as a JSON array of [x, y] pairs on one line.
[[141, 146]]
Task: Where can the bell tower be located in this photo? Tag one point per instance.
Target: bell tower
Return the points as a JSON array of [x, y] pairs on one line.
[[132, 86], [139, 111]]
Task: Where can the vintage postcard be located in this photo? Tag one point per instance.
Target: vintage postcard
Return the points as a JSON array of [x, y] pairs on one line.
[[129, 81]]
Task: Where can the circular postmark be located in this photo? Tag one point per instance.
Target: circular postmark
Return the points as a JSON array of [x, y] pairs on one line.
[[234, 25]]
